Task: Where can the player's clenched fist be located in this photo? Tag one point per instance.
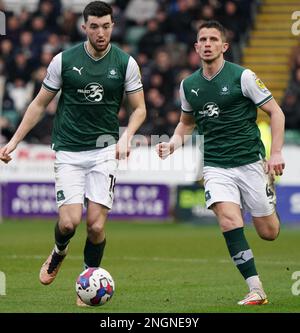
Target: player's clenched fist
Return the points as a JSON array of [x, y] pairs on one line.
[[164, 149], [5, 151]]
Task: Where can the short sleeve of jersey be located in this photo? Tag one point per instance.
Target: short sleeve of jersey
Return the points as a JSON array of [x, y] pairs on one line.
[[53, 79], [253, 88], [133, 82], [185, 105]]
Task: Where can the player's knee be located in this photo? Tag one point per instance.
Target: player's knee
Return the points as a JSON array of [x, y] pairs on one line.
[[268, 228], [68, 223], [267, 237], [229, 221], [269, 234], [67, 228], [227, 225], [95, 228]]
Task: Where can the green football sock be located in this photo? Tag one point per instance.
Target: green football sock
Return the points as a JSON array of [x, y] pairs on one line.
[[240, 252]]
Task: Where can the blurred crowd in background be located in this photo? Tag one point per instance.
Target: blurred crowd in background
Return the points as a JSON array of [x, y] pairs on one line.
[[159, 34], [291, 100]]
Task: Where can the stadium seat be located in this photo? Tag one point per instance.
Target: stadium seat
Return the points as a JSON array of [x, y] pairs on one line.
[[269, 46]]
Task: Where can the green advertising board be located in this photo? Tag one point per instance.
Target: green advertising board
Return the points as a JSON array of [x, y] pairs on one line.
[[190, 205]]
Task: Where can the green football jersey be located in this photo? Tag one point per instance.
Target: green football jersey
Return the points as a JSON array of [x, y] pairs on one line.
[[92, 90], [225, 111]]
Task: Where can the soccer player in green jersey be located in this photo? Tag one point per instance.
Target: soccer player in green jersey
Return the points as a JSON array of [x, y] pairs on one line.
[[221, 100], [92, 77]]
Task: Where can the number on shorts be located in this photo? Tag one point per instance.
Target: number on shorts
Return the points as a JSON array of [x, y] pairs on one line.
[[112, 183]]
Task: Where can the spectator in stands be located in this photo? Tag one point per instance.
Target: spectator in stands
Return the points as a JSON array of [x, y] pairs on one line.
[[45, 58], [2, 69], [9, 119], [25, 19], [13, 29], [193, 60], [163, 66], [42, 133], [155, 102], [27, 47], [152, 39], [68, 27], [234, 23], [6, 130], [172, 119], [20, 67], [294, 60], [140, 11], [6, 51], [119, 17], [37, 79], [46, 10], [294, 83], [207, 12], [291, 109], [179, 22], [53, 44], [146, 68], [39, 30], [20, 92]]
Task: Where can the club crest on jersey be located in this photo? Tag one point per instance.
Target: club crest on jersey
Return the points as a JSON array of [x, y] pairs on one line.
[[225, 90], [210, 109], [93, 92], [60, 195], [112, 73]]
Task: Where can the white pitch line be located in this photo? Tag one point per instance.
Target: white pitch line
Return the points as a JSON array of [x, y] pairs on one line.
[[162, 259], [265, 262]]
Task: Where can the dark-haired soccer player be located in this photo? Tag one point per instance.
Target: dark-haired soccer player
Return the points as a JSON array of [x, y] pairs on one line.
[[92, 77], [221, 99]]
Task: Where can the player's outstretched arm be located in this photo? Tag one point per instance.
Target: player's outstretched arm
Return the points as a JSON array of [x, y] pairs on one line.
[[276, 164], [184, 128], [137, 103], [31, 118]]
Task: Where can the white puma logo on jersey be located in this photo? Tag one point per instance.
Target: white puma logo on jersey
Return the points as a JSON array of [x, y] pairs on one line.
[[78, 70], [195, 91]]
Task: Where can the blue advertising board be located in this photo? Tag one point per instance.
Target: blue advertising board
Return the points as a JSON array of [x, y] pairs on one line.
[[288, 203]]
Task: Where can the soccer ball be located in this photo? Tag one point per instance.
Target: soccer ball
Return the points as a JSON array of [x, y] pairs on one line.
[[95, 286]]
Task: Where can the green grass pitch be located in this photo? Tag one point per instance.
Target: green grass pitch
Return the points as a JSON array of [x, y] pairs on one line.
[[157, 268]]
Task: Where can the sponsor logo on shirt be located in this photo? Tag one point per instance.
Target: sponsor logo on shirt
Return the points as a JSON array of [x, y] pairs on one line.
[[194, 91], [261, 85], [93, 92], [210, 109], [77, 69]]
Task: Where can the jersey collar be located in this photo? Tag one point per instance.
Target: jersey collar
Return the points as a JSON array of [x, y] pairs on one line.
[[96, 59], [218, 72]]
